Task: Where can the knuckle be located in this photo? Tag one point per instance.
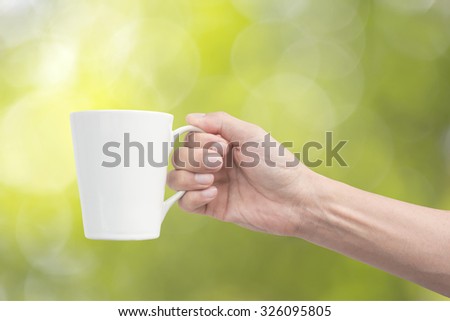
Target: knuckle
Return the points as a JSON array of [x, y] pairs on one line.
[[221, 114], [170, 179], [176, 180]]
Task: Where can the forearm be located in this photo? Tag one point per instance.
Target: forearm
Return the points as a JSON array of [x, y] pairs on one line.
[[407, 240]]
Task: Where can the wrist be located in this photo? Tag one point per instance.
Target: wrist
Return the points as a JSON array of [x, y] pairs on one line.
[[313, 203]]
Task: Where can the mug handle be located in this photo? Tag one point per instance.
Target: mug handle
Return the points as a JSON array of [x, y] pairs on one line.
[[175, 197]]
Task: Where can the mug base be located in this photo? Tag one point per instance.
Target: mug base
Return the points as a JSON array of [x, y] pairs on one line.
[[122, 237]]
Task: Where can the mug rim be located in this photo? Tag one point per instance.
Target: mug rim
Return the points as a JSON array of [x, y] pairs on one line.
[[113, 111]]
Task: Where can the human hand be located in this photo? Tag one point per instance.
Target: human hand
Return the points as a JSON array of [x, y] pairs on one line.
[[261, 189]]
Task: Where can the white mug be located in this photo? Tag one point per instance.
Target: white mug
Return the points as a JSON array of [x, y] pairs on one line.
[[121, 160]]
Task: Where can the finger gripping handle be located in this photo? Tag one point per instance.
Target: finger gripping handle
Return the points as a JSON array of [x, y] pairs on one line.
[[174, 198]]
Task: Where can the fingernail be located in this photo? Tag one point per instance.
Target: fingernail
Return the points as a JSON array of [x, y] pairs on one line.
[[204, 179], [196, 115], [210, 192]]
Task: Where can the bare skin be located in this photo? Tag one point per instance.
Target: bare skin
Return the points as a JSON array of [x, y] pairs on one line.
[[410, 241]]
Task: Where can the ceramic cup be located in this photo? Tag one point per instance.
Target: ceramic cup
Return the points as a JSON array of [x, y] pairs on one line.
[[121, 159]]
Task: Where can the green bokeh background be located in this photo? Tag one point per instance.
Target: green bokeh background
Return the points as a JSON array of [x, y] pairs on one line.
[[376, 73]]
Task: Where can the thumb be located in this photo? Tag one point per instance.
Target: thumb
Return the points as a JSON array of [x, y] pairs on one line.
[[225, 125]]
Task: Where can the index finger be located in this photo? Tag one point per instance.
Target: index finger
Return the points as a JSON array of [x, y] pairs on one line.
[[207, 141]]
